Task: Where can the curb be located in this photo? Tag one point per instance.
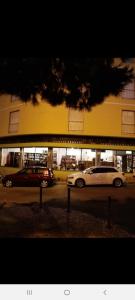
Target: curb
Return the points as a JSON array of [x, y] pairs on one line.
[[60, 182]]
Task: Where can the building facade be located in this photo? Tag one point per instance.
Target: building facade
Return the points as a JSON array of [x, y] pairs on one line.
[[64, 138]]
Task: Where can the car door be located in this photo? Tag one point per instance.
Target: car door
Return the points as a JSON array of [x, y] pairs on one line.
[[104, 175], [91, 176], [94, 176], [109, 175], [31, 177], [36, 176], [23, 177]]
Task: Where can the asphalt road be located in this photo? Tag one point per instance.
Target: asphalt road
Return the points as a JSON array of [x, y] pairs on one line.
[[91, 200], [59, 192]]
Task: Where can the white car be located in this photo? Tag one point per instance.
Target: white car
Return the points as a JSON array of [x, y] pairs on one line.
[[97, 176]]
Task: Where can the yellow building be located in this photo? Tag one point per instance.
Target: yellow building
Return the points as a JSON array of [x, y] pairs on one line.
[[64, 138]]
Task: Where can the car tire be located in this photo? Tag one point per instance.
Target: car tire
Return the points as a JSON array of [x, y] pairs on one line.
[[117, 182], [8, 183], [80, 183], [44, 183]]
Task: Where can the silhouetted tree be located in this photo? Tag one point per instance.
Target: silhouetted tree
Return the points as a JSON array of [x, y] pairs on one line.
[[77, 82]]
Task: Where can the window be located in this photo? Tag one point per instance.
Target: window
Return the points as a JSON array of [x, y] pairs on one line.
[[76, 120], [14, 121], [22, 172], [129, 91], [128, 122], [104, 170], [98, 170], [43, 171], [28, 171], [14, 98], [109, 170]]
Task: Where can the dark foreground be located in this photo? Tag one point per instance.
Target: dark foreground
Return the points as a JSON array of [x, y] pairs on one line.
[[21, 215]]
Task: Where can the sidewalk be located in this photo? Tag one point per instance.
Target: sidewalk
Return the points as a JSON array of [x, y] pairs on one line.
[[29, 221]]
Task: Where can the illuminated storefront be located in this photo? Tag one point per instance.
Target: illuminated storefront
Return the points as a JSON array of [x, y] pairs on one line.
[[68, 158]]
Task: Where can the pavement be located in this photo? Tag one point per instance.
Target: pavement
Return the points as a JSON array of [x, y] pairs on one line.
[[28, 220]]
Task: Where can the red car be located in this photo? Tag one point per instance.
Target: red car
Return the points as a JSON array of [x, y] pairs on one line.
[[30, 176]]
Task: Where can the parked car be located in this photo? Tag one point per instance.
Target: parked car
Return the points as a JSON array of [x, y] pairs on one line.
[[30, 176], [97, 176]]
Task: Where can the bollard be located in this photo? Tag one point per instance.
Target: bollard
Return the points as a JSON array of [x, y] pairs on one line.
[[68, 201], [68, 223], [41, 202], [68, 211], [109, 221]]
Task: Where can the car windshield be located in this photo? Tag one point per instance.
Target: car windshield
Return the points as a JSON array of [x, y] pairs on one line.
[[21, 171], [88, 170]]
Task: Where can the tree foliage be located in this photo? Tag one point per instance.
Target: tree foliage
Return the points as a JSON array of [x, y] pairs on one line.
[[77, 82]]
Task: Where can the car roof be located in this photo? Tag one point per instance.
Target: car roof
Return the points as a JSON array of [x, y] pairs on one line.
[[103, 167]]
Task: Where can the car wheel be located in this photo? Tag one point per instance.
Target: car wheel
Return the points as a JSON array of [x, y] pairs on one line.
[[80, 183], [117, 182], [8, 183], [44, 183]]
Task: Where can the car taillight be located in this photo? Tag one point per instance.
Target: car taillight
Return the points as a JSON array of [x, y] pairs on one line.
[[46, 173]]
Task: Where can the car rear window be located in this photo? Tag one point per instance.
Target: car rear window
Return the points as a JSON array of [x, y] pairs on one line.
[[112, 170], [42, 171]]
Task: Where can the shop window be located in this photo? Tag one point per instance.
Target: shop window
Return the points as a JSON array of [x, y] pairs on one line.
[[128, 91], [58, 154], [128, 122], [107, 156], [28, 171], [14, 121], [35, 158], [76, 120], [88, 154]]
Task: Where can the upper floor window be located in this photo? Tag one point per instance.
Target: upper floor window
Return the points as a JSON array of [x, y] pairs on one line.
[[75, 120], [14, 121], [128, 122], [129, 91], [14, 98]]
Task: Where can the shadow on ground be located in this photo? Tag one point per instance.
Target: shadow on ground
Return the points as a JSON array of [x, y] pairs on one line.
[[122, 214], [26, 219], [86, 218]]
